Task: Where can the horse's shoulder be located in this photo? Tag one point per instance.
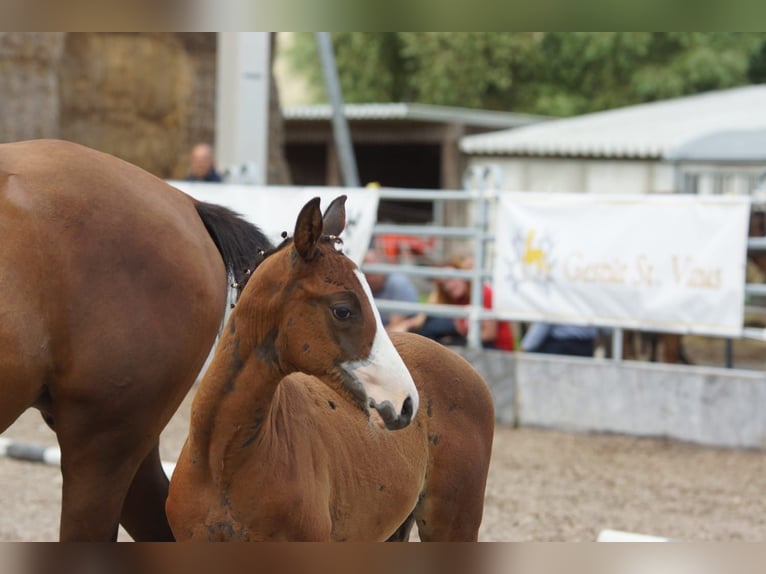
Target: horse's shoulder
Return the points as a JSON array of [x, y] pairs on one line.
[[305, 388]]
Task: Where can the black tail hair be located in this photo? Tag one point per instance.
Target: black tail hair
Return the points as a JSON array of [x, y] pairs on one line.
[[239, 241]]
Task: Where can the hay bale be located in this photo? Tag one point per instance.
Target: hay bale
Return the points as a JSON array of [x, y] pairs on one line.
[[28, 84], [127, 94]]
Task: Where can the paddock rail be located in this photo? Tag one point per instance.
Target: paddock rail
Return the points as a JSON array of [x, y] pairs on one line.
[[482, 186]]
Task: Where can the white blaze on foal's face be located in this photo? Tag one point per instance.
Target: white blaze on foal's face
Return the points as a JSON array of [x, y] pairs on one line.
[[383, 375]]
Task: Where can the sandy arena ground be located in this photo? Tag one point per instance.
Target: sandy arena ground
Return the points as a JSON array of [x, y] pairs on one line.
[[543, 486]]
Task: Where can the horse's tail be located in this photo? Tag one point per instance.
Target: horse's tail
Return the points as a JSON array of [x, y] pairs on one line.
[[237, 240]]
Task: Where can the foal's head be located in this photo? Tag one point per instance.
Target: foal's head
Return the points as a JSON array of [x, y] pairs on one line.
[[315, 314]]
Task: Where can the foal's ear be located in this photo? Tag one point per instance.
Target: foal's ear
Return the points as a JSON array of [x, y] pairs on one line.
[[308, 230], [335, 216]]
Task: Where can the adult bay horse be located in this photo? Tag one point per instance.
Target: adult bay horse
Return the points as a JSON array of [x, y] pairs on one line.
[[112, 290], [282, 444]]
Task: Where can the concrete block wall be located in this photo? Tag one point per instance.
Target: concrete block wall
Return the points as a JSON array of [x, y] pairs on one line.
[[499, 371], [705, 405]]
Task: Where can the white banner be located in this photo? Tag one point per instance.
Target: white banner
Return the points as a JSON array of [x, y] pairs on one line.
[[663, 263], [275, 209]]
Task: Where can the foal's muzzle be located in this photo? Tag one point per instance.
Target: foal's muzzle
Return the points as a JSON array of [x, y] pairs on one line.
[[392, 419]]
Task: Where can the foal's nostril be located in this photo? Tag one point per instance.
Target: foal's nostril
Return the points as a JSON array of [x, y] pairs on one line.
[[405, 417], [389, 416], [407, 409]]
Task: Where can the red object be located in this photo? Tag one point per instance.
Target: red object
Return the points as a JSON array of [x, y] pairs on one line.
[[504, 339], [394, 244]]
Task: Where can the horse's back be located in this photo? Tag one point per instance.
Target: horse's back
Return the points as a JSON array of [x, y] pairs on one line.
[[452, 391], [63, 182]]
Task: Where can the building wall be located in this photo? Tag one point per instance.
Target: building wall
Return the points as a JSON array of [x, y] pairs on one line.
[[581, 175]]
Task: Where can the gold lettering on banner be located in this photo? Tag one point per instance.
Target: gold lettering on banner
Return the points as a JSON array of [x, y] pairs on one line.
[[577, 269], [688, 274], [641, 272], [644, 272]]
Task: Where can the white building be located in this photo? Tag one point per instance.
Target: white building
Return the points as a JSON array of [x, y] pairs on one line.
[[625, 150]]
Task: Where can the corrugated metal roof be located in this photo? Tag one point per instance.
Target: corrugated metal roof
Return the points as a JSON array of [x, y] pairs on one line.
[[414, 112], [641, 131]]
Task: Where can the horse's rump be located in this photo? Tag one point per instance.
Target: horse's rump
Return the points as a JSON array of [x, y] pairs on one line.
[[111, 293]]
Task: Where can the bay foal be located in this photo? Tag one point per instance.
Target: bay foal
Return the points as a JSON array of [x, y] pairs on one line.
[[283, 444]]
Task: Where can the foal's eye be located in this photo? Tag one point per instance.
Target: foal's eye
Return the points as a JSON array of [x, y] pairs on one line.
[[342, 313]]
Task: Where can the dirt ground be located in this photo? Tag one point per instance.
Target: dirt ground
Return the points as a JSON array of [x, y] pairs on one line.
[[543, 486]]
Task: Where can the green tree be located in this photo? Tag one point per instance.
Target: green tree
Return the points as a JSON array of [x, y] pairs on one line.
[[556, 73], [370, 66], [757, 70]]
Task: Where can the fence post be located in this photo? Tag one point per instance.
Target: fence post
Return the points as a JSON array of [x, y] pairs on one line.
[[617, 344], [486, 177]]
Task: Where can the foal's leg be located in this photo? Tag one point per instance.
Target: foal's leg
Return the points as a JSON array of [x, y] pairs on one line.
[[143, 514], [451, 506], [445, 515], [460, 433]]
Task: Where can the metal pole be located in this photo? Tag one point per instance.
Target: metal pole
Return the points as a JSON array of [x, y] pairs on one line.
[[339, 123]]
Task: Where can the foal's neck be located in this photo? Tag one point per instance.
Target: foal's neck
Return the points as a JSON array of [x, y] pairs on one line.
[[235, 398]]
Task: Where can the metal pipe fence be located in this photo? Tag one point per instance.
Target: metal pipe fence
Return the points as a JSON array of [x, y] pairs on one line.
[[479, 197], [481, 190]]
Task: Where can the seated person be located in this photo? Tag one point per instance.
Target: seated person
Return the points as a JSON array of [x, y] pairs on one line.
[[394, 286], [457, 291], [202, 164], [560, 339]]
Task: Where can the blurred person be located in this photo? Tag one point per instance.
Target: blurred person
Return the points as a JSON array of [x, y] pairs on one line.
[[559, 339], [394, 286], [457, 291], [202, 164]]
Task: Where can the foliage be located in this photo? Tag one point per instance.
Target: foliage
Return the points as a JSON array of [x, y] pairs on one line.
[[556, 73]]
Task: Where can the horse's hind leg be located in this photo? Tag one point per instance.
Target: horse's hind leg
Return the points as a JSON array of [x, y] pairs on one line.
[[143, 514], [18, 393], [98, 462], [22, 374]]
